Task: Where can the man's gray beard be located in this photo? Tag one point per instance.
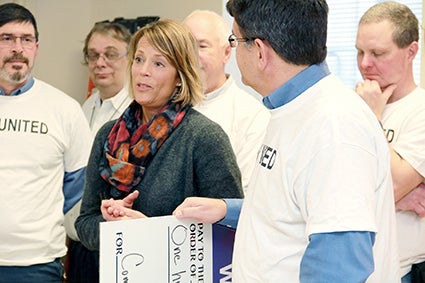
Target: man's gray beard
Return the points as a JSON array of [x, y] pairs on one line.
[[15, 78]]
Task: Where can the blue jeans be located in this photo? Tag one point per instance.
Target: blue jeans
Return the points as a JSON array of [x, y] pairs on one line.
[[50, 272], [406, 278]]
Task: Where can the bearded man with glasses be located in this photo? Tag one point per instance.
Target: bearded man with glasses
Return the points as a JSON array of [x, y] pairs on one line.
[[45, 144]]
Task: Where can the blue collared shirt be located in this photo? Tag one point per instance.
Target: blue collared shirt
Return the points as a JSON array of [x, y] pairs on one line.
[[20, 90], [296, 85], [233, 206]]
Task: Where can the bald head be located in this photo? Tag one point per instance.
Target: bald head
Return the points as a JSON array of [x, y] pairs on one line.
[[210, 23], [211, 32]]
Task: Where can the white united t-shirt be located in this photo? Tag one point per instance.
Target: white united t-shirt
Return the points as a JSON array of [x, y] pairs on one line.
[[43, 133], [324, 168], [404, 121]]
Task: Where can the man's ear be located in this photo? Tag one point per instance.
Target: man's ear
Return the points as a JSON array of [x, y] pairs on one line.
[[413, 49], [227, 53], [262, 52]]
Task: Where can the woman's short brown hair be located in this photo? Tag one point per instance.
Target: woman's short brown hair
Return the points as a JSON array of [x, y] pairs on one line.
[[179, 47]]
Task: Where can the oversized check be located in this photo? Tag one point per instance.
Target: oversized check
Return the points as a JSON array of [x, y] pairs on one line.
[[164, 250]]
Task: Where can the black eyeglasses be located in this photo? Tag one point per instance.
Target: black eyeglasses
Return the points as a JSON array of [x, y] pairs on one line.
[[234, 40]]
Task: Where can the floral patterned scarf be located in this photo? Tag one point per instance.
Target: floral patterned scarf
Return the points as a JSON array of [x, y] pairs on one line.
[[131, 145]]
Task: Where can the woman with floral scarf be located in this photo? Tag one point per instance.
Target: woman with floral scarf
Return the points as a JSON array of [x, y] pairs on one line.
[[161, 150]]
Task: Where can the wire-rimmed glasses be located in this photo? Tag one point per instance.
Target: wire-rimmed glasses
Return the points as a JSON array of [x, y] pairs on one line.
[[234, 40], [9, 40], [109, 56]]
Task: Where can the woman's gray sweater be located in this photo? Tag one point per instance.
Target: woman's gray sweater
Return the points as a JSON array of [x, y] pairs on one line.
[[196, 160]]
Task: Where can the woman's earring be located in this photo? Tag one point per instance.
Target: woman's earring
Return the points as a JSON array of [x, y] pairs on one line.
[[178, 89]]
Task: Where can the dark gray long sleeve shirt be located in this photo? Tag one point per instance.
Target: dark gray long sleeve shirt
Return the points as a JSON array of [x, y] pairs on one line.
[[196, 160]]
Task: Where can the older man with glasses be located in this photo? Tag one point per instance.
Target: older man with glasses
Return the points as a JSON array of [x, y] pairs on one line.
[[105, 54]]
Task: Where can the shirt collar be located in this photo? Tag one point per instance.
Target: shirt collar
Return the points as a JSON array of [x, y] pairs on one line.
[[116, 101], [20, 90], [296, 85], [213, 94]]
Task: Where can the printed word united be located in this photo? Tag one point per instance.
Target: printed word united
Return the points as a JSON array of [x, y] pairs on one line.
[[21, 125], [266, 156]]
